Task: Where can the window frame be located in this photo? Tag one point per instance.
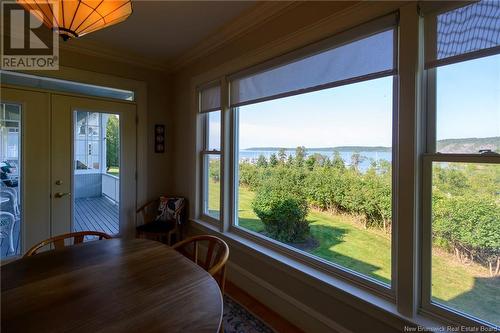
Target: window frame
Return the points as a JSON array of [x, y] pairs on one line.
[[204, 156], [411, 128], [427, 306], [371, 284]]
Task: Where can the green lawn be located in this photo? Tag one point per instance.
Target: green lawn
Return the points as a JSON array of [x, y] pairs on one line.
[[339, 239], [115, 171]]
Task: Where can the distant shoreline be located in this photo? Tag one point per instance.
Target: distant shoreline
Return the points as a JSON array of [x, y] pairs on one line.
[[445, 145], [326, 149]]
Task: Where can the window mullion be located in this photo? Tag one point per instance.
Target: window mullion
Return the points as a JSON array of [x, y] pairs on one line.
[[407, 163]]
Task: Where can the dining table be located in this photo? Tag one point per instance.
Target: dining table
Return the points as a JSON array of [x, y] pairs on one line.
[[115, 285]]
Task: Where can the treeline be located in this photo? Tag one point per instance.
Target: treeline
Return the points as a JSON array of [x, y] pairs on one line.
[[320, 182], [465, 199]]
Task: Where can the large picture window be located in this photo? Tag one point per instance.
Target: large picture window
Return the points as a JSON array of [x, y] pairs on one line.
[[314, 152], [462, 164]]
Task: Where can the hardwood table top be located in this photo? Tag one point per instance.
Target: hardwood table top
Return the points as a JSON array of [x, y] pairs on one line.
[[109, 286]]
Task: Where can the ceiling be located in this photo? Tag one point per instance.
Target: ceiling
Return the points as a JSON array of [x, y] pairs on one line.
[[160, 31]]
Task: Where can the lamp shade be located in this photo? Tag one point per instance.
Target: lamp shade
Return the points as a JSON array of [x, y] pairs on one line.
[[75, 18]]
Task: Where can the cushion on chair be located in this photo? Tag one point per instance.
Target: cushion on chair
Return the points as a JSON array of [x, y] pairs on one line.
[[168, 208], [156, 227]]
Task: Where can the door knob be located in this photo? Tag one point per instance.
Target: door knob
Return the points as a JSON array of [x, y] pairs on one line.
[[61, 194]]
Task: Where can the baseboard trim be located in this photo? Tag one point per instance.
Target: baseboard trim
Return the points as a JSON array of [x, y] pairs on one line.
[[303, 316]]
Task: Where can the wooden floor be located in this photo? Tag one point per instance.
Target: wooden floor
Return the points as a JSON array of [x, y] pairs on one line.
[[99, 214], [271, 318]]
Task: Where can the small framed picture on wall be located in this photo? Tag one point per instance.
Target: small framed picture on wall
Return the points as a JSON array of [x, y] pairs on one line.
[[159, 138]]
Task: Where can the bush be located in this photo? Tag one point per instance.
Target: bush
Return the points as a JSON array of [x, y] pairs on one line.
[[250, 175], [468, 224], [282, 208]]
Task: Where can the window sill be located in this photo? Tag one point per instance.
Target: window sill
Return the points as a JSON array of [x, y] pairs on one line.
[[328, 284]]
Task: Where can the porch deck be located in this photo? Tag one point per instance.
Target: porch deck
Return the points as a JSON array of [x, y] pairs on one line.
[[98, 213]]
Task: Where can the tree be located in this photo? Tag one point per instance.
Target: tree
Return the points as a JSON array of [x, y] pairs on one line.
[[113, 142], [262, 161], [282, 207], [356, 160], [273, 160], [300, 155], [337, 161], [282, 155]]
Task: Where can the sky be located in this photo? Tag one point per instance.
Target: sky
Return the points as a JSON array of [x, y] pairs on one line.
[[468, 105]]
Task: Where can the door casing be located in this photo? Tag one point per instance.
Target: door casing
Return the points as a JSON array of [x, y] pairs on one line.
[[46, 143]]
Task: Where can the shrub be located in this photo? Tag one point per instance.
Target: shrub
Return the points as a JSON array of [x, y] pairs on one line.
[[214, 170], [250, 175], [469, 224], [282, 208]]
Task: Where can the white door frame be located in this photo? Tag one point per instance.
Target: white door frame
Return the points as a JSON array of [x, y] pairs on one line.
[[62, 167]]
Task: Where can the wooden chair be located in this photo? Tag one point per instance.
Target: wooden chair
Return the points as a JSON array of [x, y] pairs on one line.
[[155, 229], [59, 241], [214, 259]]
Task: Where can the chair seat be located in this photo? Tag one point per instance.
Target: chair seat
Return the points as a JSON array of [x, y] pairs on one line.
[[156, 227]]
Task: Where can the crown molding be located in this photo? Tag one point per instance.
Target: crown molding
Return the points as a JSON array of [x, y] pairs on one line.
[[98, 50], [252, 18]]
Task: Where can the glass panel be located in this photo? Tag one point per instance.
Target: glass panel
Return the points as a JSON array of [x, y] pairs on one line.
[[331, 196], [466, 238], [212, 181], [214, 130], [93, 119], [468, 106], [94, 147], [10, 181], [97, 173]]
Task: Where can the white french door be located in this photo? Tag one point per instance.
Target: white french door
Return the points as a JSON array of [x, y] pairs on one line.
[[85, 195], [72, 168], [25, 158]]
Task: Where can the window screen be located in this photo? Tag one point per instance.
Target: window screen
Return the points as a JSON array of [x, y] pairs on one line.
[[210, 98], [346, 58], [463, 33]]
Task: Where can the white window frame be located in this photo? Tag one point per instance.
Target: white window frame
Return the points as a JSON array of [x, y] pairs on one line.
[[373, 285], [204, 155], [409, 264], [428, 307]]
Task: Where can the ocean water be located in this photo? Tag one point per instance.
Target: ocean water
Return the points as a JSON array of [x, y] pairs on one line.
[[366, 156]]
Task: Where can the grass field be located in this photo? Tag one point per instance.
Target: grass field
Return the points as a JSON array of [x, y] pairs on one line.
[[115, 171], [339, 239]]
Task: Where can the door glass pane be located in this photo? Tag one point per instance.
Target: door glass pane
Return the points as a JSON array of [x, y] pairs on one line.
[[96, 177], [466, 238], [10, 161]]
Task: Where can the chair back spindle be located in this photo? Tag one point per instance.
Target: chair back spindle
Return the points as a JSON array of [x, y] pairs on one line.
[[213, 260], [59, 241]]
